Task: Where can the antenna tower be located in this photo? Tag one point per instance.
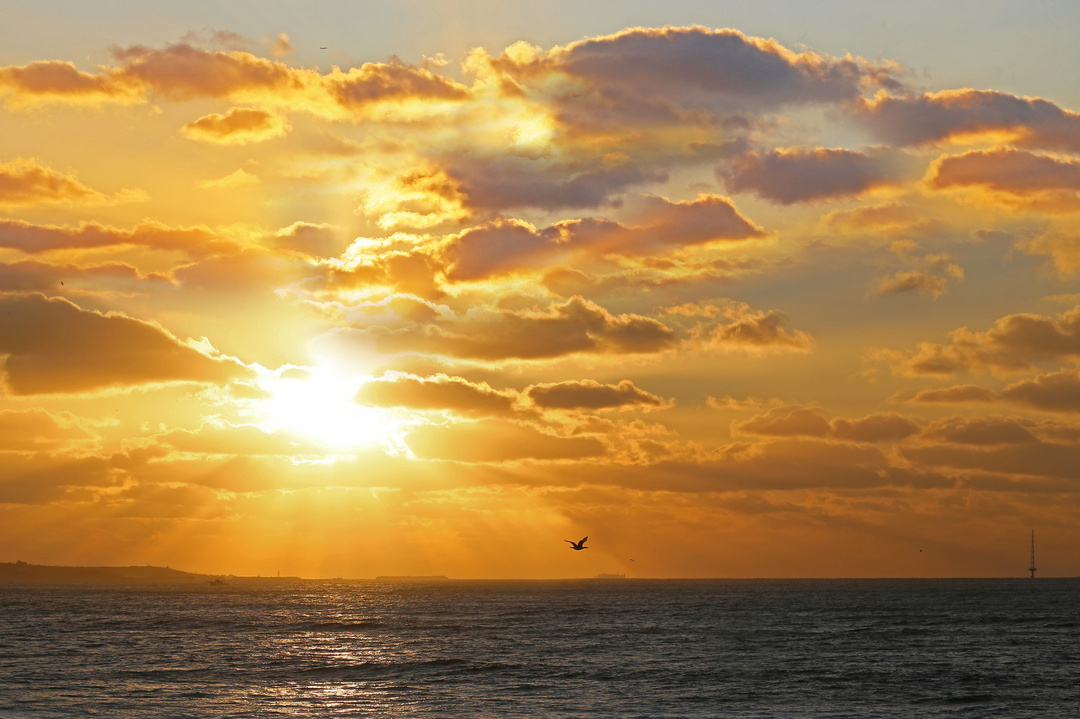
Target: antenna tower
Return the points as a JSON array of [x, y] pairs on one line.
[[1032, 567]]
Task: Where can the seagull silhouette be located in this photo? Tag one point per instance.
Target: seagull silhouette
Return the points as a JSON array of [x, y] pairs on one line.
[[577, 546]]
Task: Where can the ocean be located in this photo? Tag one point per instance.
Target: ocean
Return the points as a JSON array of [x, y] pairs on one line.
[[580, 648]]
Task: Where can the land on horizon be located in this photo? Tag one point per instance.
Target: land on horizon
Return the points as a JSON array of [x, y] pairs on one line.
[[21, 572]]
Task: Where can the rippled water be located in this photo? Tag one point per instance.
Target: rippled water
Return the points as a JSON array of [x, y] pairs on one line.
[[614, 648]]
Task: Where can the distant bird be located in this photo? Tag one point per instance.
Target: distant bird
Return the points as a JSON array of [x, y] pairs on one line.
[[322, 48], [577, 546]]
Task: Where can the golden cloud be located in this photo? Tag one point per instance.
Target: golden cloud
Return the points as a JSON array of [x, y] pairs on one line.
[[238, 126], [498, 441], [574, 327], [31, 238], [440, 392], [25, 181], [1015, 343]]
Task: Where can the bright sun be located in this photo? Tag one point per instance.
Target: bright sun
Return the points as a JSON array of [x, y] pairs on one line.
[[322, 408]]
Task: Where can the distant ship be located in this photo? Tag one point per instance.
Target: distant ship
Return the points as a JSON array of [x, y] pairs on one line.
[[218, 582], [610, 576]]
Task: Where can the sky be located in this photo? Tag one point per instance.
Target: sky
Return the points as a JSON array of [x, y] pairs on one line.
[[735, 289]]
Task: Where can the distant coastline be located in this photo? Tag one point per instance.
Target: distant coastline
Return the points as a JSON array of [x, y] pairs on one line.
[[23, 573]]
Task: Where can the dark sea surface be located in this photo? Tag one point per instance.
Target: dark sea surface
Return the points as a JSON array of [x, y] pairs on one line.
[[587, 648]]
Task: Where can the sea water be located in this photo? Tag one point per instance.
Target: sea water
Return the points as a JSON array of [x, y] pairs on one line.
[[585, 648]]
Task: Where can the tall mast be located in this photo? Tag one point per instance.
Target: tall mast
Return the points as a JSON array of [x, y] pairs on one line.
[[1032, 567]]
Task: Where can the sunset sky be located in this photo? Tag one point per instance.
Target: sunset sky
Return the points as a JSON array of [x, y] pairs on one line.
[[736, 289]]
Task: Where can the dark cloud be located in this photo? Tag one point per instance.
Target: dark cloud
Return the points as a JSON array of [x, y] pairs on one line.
[[936, 117], [800, 174], [1055, 392], [1017, 172], [591, 395], [51, 345]]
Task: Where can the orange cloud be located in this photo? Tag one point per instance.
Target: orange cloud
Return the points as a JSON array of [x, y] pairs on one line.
[[497, 441], [759, 330], [51, 345], [238, 126], [440, 392], [52, 80], [887, 218], [574, 327], [25, 181], [1015, 343], [505, 246], [182, 72], [954, 114], [36, 430], [1041, 180], [591, 395], [31, 238], [795, 421], [38, 276], [981, 431]]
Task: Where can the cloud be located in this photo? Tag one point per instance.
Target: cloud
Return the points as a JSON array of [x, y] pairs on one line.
[[1041, 180], [956, 114], [30, 275], [506, 183], [874, 428], [958, 394], [795, 421], [223, 438], [911, 281], [490, 440], [193, 241], [51, 345], [238, 126], [757, 330], [980, 431], [786, 422], [315, 240], [1015, 343], [574, 327], [440, 392], [182, 71], [640, 77], [52, 80], [1026, 459], [887, 218], [36, 430], [591, 395], [281, 46], [25, 181], [1055, 392], [506, 246], [797, 174], [235, 179]]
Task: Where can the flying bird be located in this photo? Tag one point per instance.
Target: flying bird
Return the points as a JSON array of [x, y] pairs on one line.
[[577, 546]]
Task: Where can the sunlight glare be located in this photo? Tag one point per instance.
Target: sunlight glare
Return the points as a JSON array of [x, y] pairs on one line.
[[321, 408]]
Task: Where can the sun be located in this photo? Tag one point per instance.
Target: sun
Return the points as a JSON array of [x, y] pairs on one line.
[[321, 407]]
